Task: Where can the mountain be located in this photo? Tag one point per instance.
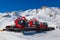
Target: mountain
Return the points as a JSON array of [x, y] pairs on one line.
[[51, 15], [44, 14]]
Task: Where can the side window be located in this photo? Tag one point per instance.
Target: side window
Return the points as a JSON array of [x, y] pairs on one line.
[[44, 23], [33, 22], [38, 22]]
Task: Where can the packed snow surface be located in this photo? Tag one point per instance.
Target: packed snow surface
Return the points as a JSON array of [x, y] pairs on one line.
[[51, 15], [50, 35]]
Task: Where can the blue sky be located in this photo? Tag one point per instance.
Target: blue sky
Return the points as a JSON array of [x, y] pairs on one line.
[[15, 5]]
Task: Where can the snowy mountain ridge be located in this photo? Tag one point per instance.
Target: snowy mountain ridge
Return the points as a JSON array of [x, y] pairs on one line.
[[46, 14], [51, 15]]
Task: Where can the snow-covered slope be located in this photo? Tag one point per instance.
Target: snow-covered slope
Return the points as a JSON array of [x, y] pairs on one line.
[[51, 15]]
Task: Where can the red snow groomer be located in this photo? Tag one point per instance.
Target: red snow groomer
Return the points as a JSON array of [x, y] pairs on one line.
[[22, 24]]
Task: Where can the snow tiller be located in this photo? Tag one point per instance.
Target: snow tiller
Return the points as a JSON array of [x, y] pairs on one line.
[[22, 24]]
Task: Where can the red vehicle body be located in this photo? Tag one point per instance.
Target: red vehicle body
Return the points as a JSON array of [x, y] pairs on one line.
[[30, 23]]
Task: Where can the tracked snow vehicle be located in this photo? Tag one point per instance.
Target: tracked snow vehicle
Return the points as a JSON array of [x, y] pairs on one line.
[[22, 24]]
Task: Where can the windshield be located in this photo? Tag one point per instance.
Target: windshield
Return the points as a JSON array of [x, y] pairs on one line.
[[20, 22]]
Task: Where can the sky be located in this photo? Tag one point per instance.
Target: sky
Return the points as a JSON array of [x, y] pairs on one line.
[[16, 5]]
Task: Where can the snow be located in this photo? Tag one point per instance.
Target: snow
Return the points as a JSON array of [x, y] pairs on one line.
[[9, 36], [51, 35], [43, 15]]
